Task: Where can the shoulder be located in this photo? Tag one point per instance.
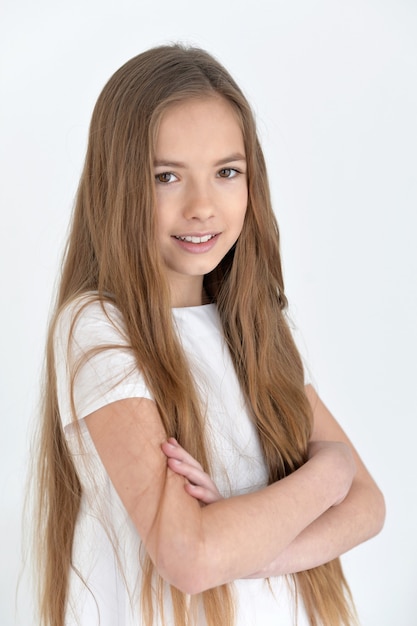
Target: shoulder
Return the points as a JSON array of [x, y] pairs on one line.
[[94, 362], [87, 321]]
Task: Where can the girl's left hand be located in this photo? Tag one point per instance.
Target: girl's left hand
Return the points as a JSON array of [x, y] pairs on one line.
[[199, 485]]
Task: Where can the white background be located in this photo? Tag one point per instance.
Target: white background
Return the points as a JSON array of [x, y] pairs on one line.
[[333, 85]]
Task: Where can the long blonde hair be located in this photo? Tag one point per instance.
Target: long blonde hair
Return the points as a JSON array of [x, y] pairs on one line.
[[112, 249]]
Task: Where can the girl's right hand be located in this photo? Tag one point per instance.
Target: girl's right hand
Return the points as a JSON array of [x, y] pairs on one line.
[[199, 484], [341, 463]]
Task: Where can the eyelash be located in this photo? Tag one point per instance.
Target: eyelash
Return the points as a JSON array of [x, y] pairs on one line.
[[224, 169], [160, 175], [229, 169]]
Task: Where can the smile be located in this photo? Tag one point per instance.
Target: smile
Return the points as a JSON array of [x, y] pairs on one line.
[[192, 239]]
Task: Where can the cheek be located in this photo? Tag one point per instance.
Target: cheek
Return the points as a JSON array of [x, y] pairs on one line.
[[162, 215], [245, 197], [239, 222], [243, 211], [244, 205], [238, 201]]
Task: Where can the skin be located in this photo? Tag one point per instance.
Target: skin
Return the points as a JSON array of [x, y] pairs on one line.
[[196, 539], [201, 190], [193, 547], [354, 519]]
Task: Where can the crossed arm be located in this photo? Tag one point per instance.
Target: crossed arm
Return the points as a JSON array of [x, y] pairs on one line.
[[297, 521], [356, 518]]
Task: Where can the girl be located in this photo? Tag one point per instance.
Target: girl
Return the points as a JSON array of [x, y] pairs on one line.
[[188, 474]]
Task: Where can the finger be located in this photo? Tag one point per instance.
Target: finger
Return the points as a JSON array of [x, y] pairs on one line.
[[180, 453], [191, 473], [207, 496], [172, 449]]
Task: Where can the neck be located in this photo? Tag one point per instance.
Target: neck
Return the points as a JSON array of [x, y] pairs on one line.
[[205, 298], [188, 294]]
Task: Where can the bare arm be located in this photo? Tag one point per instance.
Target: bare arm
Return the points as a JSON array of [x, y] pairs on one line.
[[193, 547], [357, 518]]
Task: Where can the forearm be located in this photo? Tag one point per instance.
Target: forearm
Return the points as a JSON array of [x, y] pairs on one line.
[[358, 518], [199, 548]]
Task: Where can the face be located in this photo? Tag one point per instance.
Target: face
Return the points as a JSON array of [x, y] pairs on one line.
[[201, 191]]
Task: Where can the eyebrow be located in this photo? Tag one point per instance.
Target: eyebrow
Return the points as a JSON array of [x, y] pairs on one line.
[[231, 158], [236, 156]]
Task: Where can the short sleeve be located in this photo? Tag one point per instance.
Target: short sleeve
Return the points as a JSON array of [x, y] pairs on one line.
[[91, 348]]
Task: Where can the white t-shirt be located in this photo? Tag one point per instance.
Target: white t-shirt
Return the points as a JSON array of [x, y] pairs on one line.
[[106, 550]]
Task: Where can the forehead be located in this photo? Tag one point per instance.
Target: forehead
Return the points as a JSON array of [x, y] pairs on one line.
[[199, 122]]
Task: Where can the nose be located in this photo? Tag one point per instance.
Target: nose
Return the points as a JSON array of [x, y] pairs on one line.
[[199, 202]]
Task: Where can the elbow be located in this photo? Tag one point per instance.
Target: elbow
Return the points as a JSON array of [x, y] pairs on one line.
[[189, 584], [379, 512], [185, 567], [185, 576], [369, 507], [373, 513]]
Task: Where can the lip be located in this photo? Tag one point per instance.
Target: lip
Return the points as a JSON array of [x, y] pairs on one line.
[[197, 234], [196, 248]]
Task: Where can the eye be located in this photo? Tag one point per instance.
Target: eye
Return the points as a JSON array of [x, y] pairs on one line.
[[165, 178], [228, 172]]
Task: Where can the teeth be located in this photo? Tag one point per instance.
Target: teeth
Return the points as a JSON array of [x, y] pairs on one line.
[[196, 239]]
